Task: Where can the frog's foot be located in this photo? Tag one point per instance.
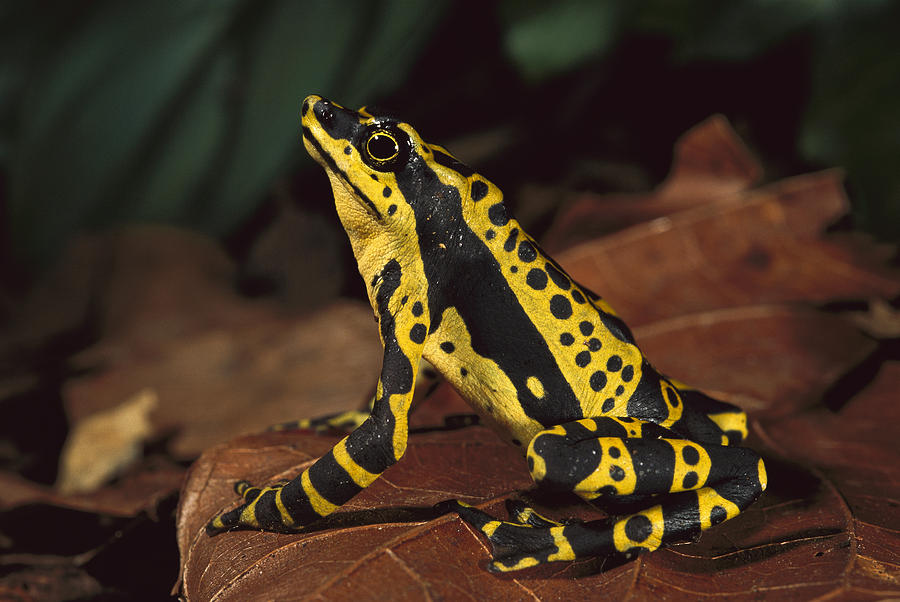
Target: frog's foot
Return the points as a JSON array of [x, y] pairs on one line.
[[254, 512], [344, 422], [525, 515], [526, 540]]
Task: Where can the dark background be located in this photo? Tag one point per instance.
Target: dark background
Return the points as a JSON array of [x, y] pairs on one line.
[[187, 112]]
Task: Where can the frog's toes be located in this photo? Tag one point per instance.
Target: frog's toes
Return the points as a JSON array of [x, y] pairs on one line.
[[292, 425], [247, 491], [246, 515], [525, 515], [320, 426], [470, 514], [529, 541], [225, 521]]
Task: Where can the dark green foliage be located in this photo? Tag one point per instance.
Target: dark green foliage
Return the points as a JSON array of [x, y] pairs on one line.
[[185, 112]]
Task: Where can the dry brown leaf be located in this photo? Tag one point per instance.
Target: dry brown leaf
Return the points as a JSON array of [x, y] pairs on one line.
[[367, 546], [295, 233], [137, 285], [53, 579], [855, 455], [881, 321]]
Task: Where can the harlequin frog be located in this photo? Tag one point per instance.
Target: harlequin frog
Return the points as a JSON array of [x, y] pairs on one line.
[[454, 279]]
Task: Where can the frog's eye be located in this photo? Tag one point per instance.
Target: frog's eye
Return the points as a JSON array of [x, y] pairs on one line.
[[384, 148]]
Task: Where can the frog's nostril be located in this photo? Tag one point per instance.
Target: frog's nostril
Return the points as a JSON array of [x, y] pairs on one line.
[[324, 113]]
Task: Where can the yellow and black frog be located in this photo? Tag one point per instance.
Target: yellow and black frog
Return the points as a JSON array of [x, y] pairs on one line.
[[453, 278]]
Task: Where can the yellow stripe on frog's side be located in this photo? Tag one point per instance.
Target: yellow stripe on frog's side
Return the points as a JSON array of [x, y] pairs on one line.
[[286, 519], [319, 504], [674, 403], [708, 500], [479, 379], [369, 245], [528, 277], [563, 547], [603, 306], [524, 563]]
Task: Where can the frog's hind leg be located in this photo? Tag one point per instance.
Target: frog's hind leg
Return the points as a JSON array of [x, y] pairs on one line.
[[696, 486], [342, 421], [709, 419]]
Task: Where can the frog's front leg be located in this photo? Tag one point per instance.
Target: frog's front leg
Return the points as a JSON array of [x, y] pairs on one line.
[[426, 382], [616, 461], [360, 457]]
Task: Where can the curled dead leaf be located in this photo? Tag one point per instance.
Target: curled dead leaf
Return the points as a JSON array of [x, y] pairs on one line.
[[762, 247]]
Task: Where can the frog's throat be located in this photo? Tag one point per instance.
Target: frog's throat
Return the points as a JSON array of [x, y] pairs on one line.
[[322, 157]]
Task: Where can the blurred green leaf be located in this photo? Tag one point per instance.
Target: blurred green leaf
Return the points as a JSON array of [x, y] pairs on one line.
[[546, 38], [178, 164], [185, 111], [853, 119], [288, 50], [393, 32], [350, 51]]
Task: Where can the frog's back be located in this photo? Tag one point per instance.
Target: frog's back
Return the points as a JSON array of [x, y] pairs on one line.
[[523, 342]]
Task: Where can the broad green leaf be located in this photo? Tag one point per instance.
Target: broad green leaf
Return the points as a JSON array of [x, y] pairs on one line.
[[180, 165], [291, 49], [99, 101], [185, 112]]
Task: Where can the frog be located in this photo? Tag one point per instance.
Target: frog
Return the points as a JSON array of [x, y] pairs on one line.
[[454, 280]]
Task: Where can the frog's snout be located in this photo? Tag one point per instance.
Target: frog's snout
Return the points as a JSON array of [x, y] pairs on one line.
[[313, 102], [324, 113]]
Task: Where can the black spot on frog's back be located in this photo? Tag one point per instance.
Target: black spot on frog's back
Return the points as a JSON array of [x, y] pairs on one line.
[[498, 215], [479, 190]]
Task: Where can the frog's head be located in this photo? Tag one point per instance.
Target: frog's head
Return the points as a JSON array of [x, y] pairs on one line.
[[381, 170]]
